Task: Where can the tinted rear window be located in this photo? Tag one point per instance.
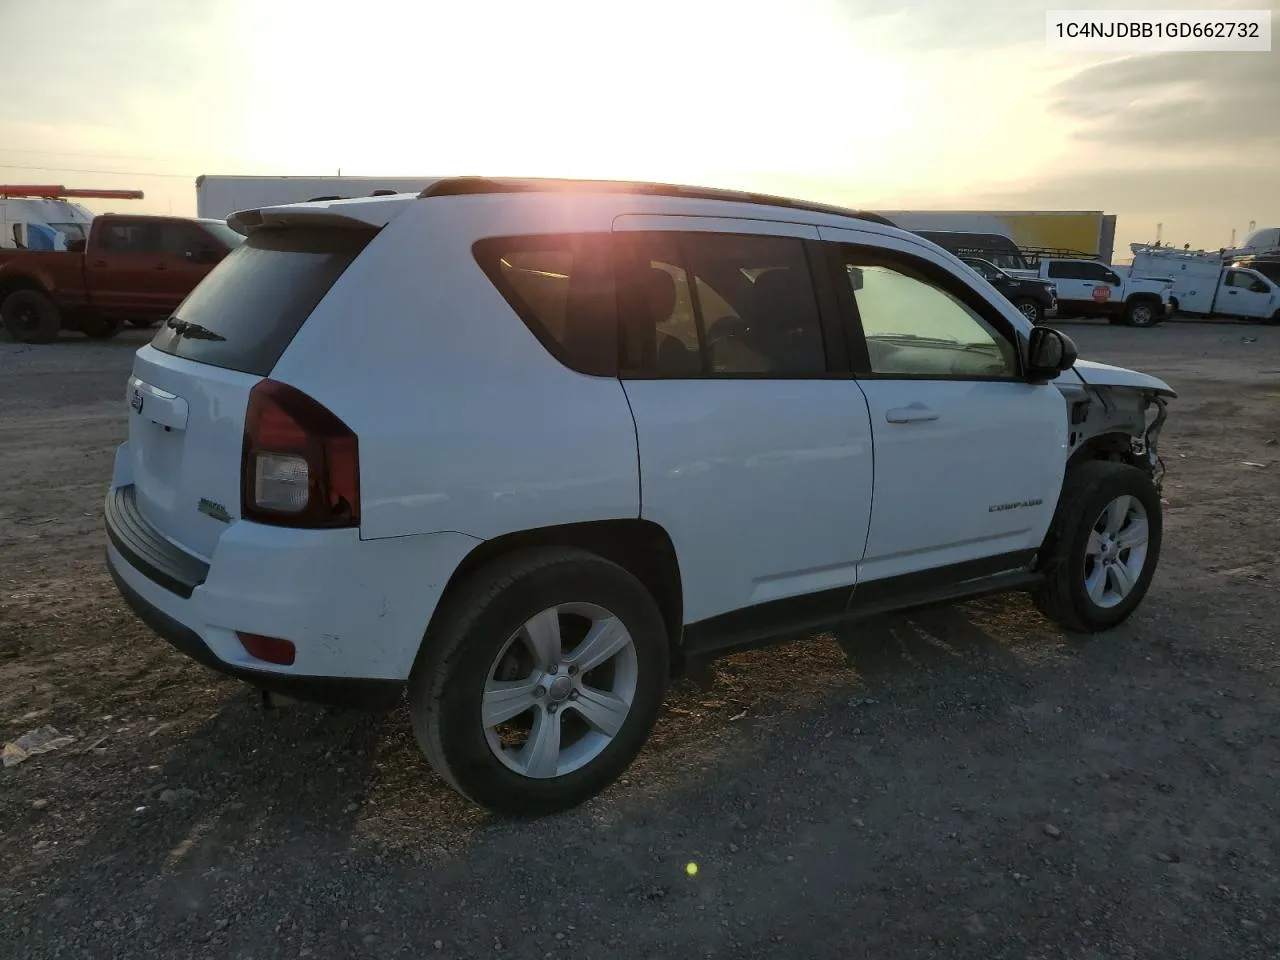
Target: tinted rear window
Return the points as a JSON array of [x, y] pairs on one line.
[[259, 296]]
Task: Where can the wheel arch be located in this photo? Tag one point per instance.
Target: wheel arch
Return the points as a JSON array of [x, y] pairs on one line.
[[641, 547], [13, 282]]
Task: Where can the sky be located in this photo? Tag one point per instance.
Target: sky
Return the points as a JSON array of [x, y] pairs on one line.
[[919, 104]]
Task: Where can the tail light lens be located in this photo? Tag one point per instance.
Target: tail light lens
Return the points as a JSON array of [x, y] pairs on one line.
[[300, 465]]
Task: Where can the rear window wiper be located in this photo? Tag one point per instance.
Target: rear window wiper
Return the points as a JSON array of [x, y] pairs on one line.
[[193, 331]]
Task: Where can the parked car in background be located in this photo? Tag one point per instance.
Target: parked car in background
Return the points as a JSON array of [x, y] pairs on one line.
[[1090, 288], [134, 269], [520, 448], [1035, 299], [992, 247], [1267, 264], [1204, 286]]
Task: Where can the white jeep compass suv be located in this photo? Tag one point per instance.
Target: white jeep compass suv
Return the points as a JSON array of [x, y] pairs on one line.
[[524, 447]]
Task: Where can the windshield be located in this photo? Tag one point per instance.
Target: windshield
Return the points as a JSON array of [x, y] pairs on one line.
[[224, 233], [72, 231]]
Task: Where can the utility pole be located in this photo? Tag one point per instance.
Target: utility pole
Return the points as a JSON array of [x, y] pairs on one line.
[[1159, 232]]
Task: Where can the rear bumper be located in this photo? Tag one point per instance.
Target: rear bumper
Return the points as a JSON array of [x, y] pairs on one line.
[[355, 610], [334, 691]]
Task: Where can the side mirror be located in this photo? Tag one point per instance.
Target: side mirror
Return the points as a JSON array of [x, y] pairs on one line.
[[1049, 353], [855, 278]]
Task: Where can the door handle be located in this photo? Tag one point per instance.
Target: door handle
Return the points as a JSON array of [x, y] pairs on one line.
[[916, 413]]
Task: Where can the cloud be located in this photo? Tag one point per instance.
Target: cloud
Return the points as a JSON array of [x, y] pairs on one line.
[[1175, 189], [1176, 100]]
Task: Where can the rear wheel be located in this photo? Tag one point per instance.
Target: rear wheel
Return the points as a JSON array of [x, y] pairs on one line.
[[1029, 309], [1141, 313], [1102, 548], [540, 680], [100, 328], [30, 317]]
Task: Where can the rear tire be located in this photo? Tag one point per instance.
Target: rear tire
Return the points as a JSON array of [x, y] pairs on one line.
[[483, 637], [1141, 313], [1030, 309], [100, 328], [30, 317], [1102, 547]]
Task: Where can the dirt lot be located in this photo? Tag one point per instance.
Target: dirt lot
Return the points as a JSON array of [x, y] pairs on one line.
[[970, 783]]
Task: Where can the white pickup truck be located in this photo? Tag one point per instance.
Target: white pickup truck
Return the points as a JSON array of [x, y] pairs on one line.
[[1091, 288], [1204, 286]]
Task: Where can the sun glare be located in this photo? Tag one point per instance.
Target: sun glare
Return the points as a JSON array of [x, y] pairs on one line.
[[715, 91]]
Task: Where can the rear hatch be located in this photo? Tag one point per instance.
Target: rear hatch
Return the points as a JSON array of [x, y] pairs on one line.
[[190, 386]]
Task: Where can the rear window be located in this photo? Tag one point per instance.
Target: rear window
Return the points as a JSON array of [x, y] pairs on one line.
[[253, 303]]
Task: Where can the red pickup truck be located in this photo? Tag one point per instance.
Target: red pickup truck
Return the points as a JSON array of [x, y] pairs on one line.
[[134, 269]]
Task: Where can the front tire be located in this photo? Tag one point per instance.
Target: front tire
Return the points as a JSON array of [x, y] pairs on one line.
[[1102, 548], [30, 317], [539, 681], [1030, 309]]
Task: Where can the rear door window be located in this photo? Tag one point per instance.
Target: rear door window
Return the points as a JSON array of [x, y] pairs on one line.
[[720, 305], [243, 315], [131, 236]]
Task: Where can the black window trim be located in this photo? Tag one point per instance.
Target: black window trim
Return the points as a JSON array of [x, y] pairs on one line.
[[831, 326], [488, 251], [940, 277]]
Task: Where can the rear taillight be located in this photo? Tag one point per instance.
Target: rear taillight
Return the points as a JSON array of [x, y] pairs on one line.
[[300, 465]]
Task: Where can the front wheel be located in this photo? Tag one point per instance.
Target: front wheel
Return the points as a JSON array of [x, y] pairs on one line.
[[1141, 313], [539, 680], [1030, 309], [1102, 548]]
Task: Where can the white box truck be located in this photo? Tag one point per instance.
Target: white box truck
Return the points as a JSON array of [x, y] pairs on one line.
[[218, 197], [1205, 286]]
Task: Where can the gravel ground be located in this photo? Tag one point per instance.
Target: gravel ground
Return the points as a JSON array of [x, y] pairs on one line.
[[967, 783]]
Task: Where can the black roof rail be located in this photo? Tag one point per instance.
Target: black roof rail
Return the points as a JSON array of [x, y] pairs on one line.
[[460, 186]]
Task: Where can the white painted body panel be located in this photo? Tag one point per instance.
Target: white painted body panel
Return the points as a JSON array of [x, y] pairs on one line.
[[351, 607], [764, 486], [916, 524], [466, 422], [185, 443], [1105, 375], [1234, 301]]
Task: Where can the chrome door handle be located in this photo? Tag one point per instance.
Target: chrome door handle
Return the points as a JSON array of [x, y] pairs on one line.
[[916, 413]]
